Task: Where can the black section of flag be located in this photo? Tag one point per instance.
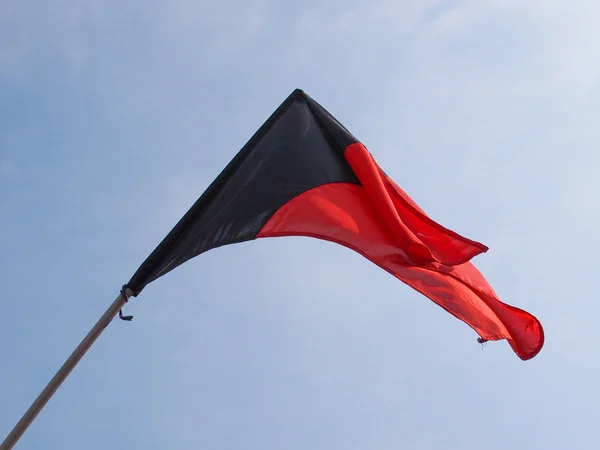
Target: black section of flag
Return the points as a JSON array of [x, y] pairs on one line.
[[298, 148]]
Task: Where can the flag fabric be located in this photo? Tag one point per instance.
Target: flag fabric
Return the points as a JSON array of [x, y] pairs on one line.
[[305, 174]]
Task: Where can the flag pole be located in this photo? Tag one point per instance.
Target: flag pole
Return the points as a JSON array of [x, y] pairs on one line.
[[65, 370]]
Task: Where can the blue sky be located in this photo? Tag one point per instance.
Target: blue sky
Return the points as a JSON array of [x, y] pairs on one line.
[[115, 116]]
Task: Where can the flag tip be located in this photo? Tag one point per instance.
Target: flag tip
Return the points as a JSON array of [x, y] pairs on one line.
[[298, 93]]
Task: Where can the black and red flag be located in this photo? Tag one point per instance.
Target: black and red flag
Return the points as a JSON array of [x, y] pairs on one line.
[[304, 174]]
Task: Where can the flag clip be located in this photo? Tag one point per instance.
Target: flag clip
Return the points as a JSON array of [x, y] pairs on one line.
[[482, 341], [125, 295]]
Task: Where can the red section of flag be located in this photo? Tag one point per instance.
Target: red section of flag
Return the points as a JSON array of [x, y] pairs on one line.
[[385, 230], [420, 237]]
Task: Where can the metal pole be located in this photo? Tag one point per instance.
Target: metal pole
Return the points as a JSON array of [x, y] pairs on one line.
[[64, 372]]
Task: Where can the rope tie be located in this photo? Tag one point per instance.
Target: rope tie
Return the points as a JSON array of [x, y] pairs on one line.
[[126, 293]]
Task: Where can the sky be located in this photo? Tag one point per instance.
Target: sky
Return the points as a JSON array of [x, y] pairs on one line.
[[115, 116]]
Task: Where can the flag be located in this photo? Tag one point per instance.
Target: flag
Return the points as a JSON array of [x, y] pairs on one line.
[[304, 174]]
